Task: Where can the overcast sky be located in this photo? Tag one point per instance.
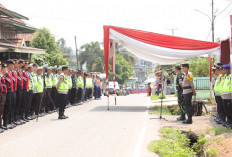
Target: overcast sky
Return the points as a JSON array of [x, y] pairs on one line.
[[85, 18]]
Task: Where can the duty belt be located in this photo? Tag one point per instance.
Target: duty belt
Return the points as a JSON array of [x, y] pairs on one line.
[[187, 87]]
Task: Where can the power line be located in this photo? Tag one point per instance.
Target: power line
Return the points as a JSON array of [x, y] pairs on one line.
[[224, 9]]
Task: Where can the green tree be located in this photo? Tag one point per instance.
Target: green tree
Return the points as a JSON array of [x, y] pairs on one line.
[[43, 39], [89, 53], [199, 66], [97, 65], [123, 69], [119, 49]]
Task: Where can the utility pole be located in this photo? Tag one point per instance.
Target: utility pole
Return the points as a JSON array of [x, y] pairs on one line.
[[172, 29], [78, 66], [213, 21], [210, 57]]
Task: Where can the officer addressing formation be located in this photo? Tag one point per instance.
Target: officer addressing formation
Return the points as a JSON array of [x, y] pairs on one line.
[[28, 91]]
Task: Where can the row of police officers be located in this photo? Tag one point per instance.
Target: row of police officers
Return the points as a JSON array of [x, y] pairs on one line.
[[223, 94], [28, 91]]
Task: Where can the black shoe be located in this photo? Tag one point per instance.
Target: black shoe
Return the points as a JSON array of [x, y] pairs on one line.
[[13, 125], [188, 121], [22, 121], [182, 118], [26, 120], [4, 127], [62, 117], [17, 123], [9, 126], [1, 130], [65, 117]]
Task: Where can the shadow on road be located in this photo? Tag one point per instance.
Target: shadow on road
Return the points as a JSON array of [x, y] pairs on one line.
[[120, 109]]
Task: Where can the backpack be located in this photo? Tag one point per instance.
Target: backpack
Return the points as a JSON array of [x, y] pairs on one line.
[[198, 107]]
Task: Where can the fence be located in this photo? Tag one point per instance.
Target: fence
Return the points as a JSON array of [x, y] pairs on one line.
[[202, 83]]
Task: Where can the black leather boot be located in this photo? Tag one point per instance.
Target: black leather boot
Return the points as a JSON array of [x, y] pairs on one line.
[[181, 118], [188, 121]]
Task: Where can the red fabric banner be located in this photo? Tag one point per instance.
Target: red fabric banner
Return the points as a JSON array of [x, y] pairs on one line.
[[165, 40], [231, 28]]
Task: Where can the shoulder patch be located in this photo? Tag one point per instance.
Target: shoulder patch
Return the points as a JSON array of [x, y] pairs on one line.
[[189, 77]]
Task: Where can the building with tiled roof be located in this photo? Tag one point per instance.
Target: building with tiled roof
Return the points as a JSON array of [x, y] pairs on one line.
[[15, 36]]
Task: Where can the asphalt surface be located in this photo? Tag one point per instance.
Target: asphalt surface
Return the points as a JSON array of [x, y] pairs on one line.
[[91, 131]]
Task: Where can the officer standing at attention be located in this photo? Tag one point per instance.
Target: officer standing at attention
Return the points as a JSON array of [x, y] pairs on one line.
[[3, 94], [48, 82], [226, 96], [179, 88], [73, 99], [54, 84], [10, 89], [62, 88], [29, 95], [188, 92], [80, 84], [35, 91], [40, 88]]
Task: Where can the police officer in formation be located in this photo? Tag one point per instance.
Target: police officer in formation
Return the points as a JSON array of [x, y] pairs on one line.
[[223, 95], [28, 91]]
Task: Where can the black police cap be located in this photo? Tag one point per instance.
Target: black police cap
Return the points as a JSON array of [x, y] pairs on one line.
[[10, 61], [4, 65], [64, 67], [185, 65], [21, 61]]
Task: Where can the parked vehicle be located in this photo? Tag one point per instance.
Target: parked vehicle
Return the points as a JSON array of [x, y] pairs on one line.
[[111, 87]]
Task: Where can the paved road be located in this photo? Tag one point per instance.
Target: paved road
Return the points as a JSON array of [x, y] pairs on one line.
[[90, 131]]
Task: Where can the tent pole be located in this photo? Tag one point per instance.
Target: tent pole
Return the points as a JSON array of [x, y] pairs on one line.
[[210, 75]]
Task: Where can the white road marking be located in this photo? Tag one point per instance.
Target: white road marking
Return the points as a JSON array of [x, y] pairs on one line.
[[139, 144]]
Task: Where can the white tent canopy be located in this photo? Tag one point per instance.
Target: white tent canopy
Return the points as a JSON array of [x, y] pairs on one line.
[[153, 47]]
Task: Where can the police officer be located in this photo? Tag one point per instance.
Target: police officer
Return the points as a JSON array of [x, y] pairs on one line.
[[25, 91], [69, 87], [179, 88], [62, 88], [35, 91], [7, 121], [19, 93], [221, 116], [3, 91], [48, 85], [79, 86], [29, 94], [226, 96], [13, 109], [188, 92], [54, 84], [73, 99], [40, 89]]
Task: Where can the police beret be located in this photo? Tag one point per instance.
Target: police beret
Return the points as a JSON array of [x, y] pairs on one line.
[[10, 61], [85, 74], [227, 66], [178, 67], [185, 65], [21, 61]]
